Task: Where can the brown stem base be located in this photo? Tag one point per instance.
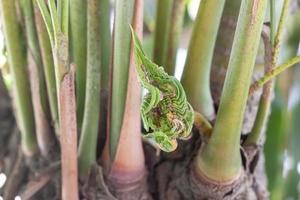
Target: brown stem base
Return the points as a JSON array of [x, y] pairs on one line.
[[130, 190]]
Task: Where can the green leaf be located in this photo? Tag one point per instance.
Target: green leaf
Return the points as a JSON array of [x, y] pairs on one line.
[[165, 109]]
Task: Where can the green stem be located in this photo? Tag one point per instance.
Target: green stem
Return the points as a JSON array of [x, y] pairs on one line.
[[162, 29], [274, 72], [59, 43], [273, 19], [220, 160], [17, 63], [195, 78], [121, 52], [32, 39], [47, 58], [278, 37], [89, 132], [47, 19], [37, 81], [64, 15], [54, 19], [265, 99], [123, 171], [270, 62], [79, 52], [176, 23], [60, 48], [105, 44]]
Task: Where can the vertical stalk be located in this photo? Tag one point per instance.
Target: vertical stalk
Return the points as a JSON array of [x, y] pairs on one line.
[[272, 19], [37, 80], [59, 44], [223, 48], [105, 43], [79, 51], [68, 137], [17, 63], [34, 49], [220, 160], [124, 172], [64, 16], [196, 74], [48, 65], [89, 132], [176, 22], [65, 84], [278, 36], [271, 58], [265, 99], [162, 28], [121, 53]]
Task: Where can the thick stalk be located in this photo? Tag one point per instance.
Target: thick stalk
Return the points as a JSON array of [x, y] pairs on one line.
[[17, 63], [220, 160], [162, 28], [65, 84], [105, 44], [176, 22], [48, 65], [79, 51], [68, 137], [223, 48], [121, 54], [47, 19], [37, 80], [196, 74], [34, 49], [60, 50], [123, 170], [64, 16], [89, 132], [59, 41]]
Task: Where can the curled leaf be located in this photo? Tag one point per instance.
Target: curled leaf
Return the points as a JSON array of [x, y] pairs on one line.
[[165, 110]]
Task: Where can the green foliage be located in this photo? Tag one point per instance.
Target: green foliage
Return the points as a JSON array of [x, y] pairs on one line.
[[164, 109]]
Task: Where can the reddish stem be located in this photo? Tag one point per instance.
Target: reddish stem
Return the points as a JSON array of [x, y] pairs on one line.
[[123, 168], [43, 131], [68, 137]]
